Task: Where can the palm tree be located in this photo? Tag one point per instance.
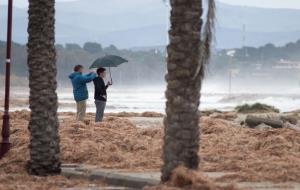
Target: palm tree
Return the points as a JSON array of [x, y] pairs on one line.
[[43, 126], [187, 57]]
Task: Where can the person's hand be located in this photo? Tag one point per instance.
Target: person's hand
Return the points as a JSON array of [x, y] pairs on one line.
[[109, 83]]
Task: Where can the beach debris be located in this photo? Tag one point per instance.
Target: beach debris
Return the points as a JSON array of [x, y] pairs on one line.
[[253, 121], [256, 108], [263, 126], [225, 115], [184, 178], [133, 114], [291, 126], [209, 112], [117, 143], [152, 114], [292, 119]]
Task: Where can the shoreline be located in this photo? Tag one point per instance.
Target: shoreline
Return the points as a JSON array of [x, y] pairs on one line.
[[20, 91], [141, 102]]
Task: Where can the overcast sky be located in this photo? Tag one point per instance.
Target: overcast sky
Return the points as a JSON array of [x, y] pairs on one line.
[[266, 3], [23, 3], [257, 3]]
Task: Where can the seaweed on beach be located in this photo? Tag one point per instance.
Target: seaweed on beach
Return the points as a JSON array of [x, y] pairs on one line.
[[183, 178], [113, 143], [133, 114], [247, 154], [250, 155], [12, 166], [256, 108]]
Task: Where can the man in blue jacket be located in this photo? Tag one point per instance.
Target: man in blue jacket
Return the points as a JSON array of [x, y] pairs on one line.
[[80, 90]]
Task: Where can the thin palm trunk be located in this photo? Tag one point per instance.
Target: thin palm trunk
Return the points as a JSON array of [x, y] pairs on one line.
[[187, 56], [43, 126]]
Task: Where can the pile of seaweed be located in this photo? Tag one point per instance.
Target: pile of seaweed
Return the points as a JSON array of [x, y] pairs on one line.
[[248, 154], [256, 108]]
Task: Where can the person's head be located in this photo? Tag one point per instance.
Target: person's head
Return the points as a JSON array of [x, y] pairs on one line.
[[78, 68], [101, 72]]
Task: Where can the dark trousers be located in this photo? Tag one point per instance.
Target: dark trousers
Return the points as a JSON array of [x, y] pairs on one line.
[[100, 107]]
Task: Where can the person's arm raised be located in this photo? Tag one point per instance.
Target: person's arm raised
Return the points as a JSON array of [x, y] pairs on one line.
[[89, 77]]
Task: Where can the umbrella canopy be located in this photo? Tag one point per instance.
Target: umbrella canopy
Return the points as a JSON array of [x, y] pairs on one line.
[[108, 61]]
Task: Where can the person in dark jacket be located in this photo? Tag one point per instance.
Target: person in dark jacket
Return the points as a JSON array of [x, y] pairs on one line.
[[100, 93], [80, 90]]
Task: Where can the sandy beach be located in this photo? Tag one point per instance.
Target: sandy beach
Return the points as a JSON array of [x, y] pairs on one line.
[[133, 142]]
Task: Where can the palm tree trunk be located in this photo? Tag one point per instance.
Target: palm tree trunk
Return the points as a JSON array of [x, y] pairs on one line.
[[181, 141], [43, 126]]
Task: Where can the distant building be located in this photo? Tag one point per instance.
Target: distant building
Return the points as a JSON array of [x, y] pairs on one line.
[[286, 64]]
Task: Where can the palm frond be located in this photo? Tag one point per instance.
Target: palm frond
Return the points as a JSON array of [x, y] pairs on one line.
[[208, 35]]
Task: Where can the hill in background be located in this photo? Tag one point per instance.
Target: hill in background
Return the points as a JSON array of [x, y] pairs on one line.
[[145, 23]]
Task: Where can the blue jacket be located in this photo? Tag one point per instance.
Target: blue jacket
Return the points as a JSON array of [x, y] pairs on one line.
[[79, 81]]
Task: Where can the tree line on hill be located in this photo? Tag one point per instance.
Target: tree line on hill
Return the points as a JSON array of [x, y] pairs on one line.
[[266, 61], [143, 66], [148, 66]]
